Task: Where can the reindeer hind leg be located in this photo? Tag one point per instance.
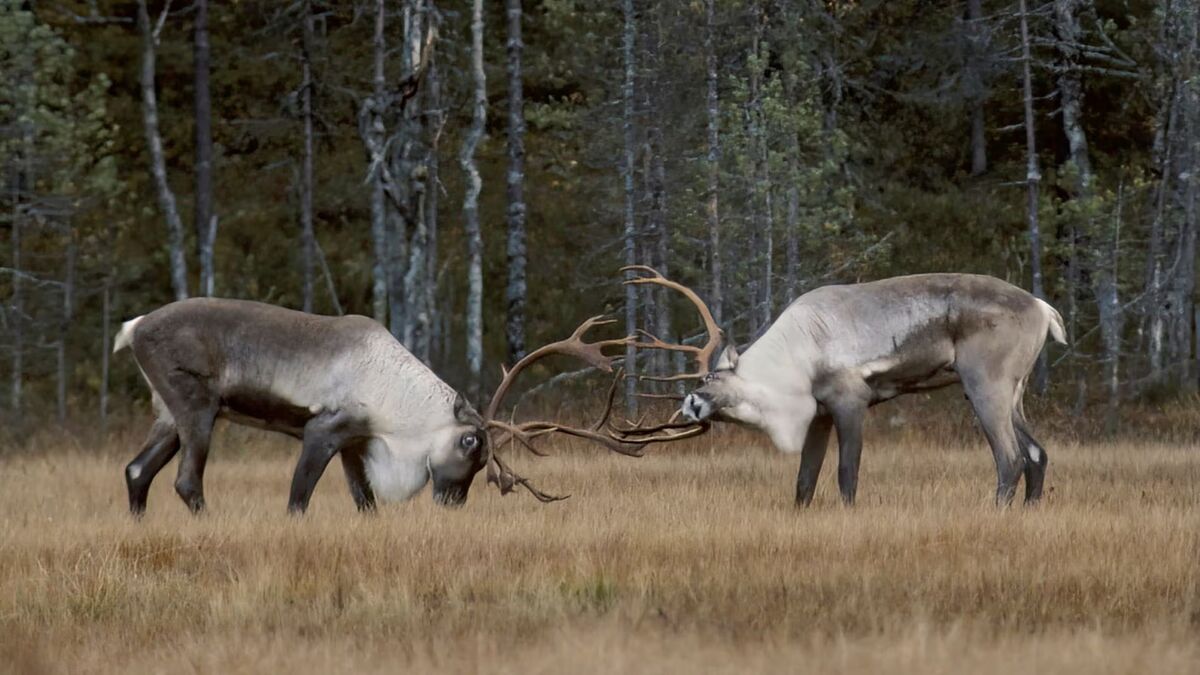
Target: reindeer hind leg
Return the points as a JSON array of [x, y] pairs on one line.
[[159, 448], [194, 408], [992, 401]]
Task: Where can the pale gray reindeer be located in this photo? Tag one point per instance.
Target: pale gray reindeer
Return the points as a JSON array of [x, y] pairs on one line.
[[838, 350], [343, 385]]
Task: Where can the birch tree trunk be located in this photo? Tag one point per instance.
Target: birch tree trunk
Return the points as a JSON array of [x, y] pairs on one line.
[[627, 169], [471, 205], [417, 326], [158, 162], [397, 261], [1033, 176], [1153, 302], [658, 246], [515, 293], [307, 235], [1070, 92], [373, 132], [413, 174], [716, 297], [205, 220], [437, 121]]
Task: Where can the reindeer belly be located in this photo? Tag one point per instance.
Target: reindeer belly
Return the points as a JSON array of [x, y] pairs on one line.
[[265, 410], [906, 376]]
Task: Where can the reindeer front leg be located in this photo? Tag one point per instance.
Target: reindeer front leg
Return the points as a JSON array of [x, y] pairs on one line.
[[324, 435], [812, 456], [847, 401]]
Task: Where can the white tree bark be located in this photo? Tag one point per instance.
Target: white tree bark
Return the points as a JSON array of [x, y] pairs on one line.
[[627, 169], [658, 246], [1033, 177], [426, 350], [374, 133], [716, 296], [158, 162], [205, 219], [471, 205], [515, 292]]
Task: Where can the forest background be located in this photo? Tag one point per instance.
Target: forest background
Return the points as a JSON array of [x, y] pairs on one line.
[[474, 174]]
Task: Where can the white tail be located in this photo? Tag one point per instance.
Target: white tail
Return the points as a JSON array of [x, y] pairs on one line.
[[124, 336], [1057, 331]]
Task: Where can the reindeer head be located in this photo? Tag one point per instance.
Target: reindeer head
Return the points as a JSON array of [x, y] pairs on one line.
[[454, 464], [720, 394]]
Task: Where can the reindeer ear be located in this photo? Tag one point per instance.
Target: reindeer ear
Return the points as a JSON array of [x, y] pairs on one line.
[[464, 413], [728, 358]]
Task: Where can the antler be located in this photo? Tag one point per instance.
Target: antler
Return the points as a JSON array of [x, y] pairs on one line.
[[628, 438], [701, 355], [525, 433]]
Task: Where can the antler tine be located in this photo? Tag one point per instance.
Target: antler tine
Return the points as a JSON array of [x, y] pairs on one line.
[[663, 433], [506, 479], [523, 433], [591, 353], [653, 342], [638, 432], [702, 355], [608, 404], [662, 397]]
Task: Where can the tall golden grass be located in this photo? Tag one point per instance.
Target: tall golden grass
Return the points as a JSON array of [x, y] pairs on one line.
[[692, 559]]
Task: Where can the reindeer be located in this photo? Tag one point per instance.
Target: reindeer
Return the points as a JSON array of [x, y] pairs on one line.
[[838, 350], [343, 386]]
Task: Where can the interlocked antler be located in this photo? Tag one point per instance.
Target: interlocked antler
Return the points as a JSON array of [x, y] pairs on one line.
[[627, 440], [701, 355], [525, 433]]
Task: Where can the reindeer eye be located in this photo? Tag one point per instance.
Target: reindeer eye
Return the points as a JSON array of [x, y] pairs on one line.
[[469, 442]]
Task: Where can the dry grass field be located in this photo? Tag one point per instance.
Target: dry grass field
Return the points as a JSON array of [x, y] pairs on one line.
[[689, 560]]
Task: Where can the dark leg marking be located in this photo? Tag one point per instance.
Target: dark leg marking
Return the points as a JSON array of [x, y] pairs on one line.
[[1036, 461], [354, 459], [160, 446], [849, 420], [812, 457]]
